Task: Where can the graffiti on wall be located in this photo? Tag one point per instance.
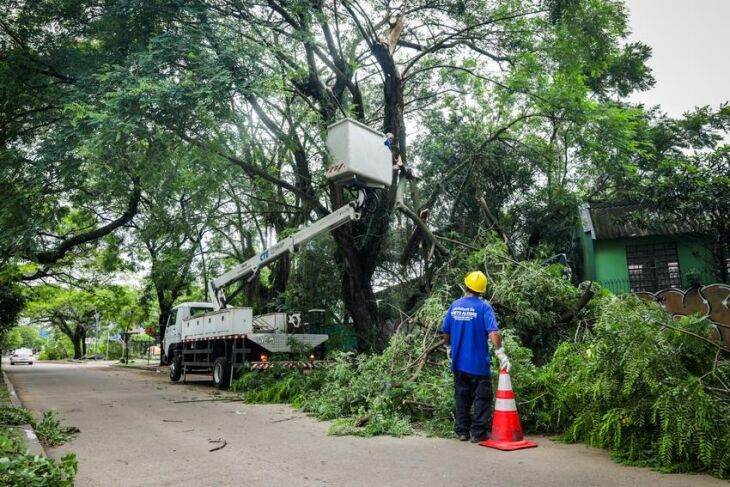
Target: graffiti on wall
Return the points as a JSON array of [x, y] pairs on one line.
[[712, 302]]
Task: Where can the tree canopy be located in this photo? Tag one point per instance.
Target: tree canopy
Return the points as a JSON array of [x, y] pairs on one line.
[[176, 139]]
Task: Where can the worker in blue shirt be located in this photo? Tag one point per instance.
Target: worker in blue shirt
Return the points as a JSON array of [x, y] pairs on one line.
[[467, 324]]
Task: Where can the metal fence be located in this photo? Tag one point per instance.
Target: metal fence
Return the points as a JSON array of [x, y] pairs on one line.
[[688, 280]]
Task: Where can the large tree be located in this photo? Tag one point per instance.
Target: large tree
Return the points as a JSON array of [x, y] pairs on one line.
[[256, 84], [219, 71]]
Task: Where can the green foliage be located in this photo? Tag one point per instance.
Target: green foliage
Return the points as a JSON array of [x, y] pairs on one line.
[[685, 174], [57, 347], [276, 385], [528, 297], [633, 379], [36, 471], [23, 337], [15, 416], [363, 386], [17, 466], [11, 442], [643, 390], [50, 431], [11, 303]]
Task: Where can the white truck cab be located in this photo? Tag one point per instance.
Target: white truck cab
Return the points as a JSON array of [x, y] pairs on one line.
[[173, 329]]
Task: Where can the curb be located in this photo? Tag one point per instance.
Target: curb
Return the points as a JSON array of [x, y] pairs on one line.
[[31, 440]]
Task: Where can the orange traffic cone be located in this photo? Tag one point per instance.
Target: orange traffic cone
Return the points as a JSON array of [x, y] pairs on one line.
[[506, 427]]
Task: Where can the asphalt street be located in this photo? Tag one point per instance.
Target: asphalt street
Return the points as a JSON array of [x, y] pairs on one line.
[[135, 431]]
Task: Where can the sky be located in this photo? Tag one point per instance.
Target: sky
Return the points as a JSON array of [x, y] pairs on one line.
[[691, 51]]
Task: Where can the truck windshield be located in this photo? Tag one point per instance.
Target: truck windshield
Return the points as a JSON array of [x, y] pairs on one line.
[[199, 311]]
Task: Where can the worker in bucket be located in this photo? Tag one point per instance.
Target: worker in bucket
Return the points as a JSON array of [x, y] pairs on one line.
[[467, 324]]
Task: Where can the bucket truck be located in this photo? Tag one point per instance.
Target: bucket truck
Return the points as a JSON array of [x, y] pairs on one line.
[[224, 340]]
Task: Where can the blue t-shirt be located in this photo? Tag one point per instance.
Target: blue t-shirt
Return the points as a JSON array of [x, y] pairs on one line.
[[469, 321]]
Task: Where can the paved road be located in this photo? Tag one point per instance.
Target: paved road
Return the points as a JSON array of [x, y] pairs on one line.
[[134, 433]]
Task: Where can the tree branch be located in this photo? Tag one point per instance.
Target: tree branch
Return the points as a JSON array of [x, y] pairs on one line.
[[53, 256]]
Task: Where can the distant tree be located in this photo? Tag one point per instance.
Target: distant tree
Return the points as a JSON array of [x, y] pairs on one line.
[[72, 311], [26, 337], [11, 340], [685, 173]]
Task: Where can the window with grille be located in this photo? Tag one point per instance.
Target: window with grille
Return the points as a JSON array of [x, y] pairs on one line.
[[653, 267]]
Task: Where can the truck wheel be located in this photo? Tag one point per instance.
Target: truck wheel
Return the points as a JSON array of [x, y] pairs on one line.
[[176, 369], [221, 373]]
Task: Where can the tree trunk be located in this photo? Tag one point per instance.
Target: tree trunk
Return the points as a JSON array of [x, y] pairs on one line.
[[165, 310], [361, 305], [76, 340], [357, 291]]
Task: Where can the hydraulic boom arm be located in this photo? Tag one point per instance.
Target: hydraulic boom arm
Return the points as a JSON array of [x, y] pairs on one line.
[[248, 269]]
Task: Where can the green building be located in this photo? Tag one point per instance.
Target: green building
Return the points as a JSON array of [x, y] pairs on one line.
[[625, 255]]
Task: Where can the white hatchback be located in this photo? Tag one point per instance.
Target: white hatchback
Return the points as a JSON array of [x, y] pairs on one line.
[[22, 356]]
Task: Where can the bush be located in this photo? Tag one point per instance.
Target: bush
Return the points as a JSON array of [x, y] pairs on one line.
[[639, 385]]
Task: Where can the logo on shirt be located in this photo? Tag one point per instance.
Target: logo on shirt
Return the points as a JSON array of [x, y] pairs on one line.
[[463, 314]]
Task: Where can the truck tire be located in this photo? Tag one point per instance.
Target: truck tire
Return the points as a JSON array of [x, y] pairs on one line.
[[221, 373], [176, 368]]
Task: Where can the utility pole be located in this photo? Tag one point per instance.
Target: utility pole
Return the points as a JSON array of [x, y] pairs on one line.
[[96, 346]]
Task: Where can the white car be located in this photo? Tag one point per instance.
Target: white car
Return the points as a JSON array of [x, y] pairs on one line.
[[22, 356]]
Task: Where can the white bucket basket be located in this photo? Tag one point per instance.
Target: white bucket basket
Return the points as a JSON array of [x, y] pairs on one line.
[[359, 154]]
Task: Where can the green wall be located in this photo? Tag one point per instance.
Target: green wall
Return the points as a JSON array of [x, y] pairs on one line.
[[609, 266], [610, 263]]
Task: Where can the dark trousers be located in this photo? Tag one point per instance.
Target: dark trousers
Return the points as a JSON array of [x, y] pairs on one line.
[[472, 390]]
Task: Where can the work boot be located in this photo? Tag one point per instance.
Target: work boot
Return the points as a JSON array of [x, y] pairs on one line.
[[463, 437], [479, 439]]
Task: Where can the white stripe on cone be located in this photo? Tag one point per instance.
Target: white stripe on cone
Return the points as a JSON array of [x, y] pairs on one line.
[[505, 405], [505, 384]]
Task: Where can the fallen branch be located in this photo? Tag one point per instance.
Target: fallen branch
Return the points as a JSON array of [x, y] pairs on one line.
[[282, 420], [424, 358], [495, 223], [363, 420], [402, 207], [568, 315], [422, 405], [700, 337], [229, 399], [220, 441]]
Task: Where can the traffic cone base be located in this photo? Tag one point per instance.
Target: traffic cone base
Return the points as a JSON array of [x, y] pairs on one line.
[[508, 445], [506, 428]]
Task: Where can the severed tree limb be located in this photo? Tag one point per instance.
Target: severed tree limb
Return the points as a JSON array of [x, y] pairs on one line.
[[424, 358], [362, 421], [403, 208], [494, 222], [422, 405], [568, 314]]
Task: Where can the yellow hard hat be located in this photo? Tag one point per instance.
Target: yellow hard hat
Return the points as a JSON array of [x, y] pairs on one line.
[[476, 281]]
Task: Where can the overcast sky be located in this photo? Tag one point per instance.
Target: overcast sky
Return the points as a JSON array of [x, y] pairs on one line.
[[691, 51]]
